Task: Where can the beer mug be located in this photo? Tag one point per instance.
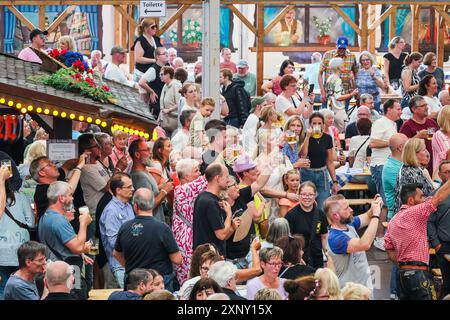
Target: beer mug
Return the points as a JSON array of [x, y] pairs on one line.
[[83, 210], [317, 132], [430, 133], [291, 139], [95, 250], [235, 149], [7, 164]]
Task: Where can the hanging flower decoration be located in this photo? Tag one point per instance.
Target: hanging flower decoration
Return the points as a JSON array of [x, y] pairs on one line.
[[77, 77]]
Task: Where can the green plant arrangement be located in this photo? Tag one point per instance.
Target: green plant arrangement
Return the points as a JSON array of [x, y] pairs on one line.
[[75, 77], [192, 33], [324, 27]]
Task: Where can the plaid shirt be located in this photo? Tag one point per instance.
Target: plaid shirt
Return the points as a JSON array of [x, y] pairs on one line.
[[407, 232], [349, 66]]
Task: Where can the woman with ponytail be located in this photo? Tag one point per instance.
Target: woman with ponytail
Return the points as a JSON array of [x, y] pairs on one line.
[[144, 47], [410, 78], [393, 62]]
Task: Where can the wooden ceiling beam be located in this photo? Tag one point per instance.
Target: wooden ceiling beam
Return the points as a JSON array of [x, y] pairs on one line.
[[242, 18], [55, 24], [21, 17], [383, 17], [124, 14], [347, 19], [173, 18]]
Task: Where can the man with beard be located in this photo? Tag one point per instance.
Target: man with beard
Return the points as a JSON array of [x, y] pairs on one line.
[[58, 235], [345, 246], [141, 154]]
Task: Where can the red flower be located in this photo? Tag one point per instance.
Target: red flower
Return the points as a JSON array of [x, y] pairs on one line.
[[105, 87], [78, 65], [90, 71], [90, 81], [54, 53], [63, 52]]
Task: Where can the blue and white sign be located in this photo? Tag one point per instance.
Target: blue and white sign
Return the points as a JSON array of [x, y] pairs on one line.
[[151, 8]]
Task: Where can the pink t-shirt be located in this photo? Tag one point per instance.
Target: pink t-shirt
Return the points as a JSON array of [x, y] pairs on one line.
[[229, 65], [28, 54]]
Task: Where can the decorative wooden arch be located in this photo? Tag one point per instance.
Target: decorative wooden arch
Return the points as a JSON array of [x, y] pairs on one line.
[[125, 11]]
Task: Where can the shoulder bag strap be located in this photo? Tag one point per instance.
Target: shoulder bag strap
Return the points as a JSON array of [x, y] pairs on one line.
[[361, 146], [20, 224], [281, 274], [184, 220]]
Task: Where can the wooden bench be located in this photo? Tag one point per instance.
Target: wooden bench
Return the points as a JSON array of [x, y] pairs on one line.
[[355, 187], [101, 294], [359, 202]]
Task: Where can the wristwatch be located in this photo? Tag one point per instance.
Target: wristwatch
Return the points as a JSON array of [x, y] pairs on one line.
[[335, 181], [376, 217]]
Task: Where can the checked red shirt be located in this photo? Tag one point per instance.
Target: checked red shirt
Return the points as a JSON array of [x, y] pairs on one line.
[[407, 232]]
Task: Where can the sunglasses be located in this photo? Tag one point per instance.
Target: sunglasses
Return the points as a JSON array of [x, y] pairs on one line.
[[154, 26]]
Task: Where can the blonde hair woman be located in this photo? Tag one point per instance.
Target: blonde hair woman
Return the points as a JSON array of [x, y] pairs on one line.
[[415, 158], [355, 291], [393, 62], [67, 43], [144, 47], [291, 150], [441, 140], [330, 282]]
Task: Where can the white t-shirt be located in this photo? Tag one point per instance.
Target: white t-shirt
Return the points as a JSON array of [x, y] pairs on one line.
[[249, 134], [149, 76], [282, 104], [180, 140], [114, 73], [355, 143], [382, 129], [434, 105]]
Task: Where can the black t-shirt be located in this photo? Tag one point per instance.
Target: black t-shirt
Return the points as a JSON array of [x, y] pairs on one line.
[[241, 248], [40, 195], [300, 222], [395, 65], [146, 243], [208, 217], [318, 150], [299, 270], [351, 130]]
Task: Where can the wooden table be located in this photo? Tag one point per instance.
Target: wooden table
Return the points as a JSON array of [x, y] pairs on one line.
[[101, 294], [355, 187]]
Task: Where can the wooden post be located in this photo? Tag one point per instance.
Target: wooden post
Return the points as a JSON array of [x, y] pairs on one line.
[[116, 27], [440, 38], [392, 24], [132, 31], [42, 18], [415, 11], [372, 36], [259, 47], [364, 26], [124, 29]]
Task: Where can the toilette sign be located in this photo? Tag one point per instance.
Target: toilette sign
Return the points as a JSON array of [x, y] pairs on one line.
[[150, 8]]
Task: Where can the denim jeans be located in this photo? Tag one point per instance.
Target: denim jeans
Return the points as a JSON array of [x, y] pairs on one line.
[[168, 281], [320, 178], [119, 274], [393, 283], [233, 122], [377, 174], [5, 273], [415, 284]]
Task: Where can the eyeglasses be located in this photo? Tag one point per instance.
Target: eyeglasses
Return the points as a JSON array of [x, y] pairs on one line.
[[231, 186], [306, 195], [274, 264], [42, 36], [422, 105], [154, 26], [127, 187], [48, 164]]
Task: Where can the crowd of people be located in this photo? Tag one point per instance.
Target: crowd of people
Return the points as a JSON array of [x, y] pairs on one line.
[[250, 198]]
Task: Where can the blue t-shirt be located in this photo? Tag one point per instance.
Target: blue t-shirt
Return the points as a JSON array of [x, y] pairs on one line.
[[19, 289], [338, 240], [124, 295], [389, 179], [55, 231]]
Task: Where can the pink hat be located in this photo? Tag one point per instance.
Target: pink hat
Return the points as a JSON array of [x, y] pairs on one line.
[[243, 163]]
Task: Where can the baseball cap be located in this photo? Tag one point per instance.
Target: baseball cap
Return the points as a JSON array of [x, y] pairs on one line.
[[256, 101], [342, 43], [243, 163], [37, 32], [117, 49], [242, 64]]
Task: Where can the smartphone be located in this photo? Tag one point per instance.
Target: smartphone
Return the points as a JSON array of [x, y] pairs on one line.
[[311, 88]]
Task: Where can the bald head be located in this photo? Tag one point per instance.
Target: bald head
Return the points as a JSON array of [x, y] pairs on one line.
[[57, 277], [396, 143], [444, 97], [143, 198]]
